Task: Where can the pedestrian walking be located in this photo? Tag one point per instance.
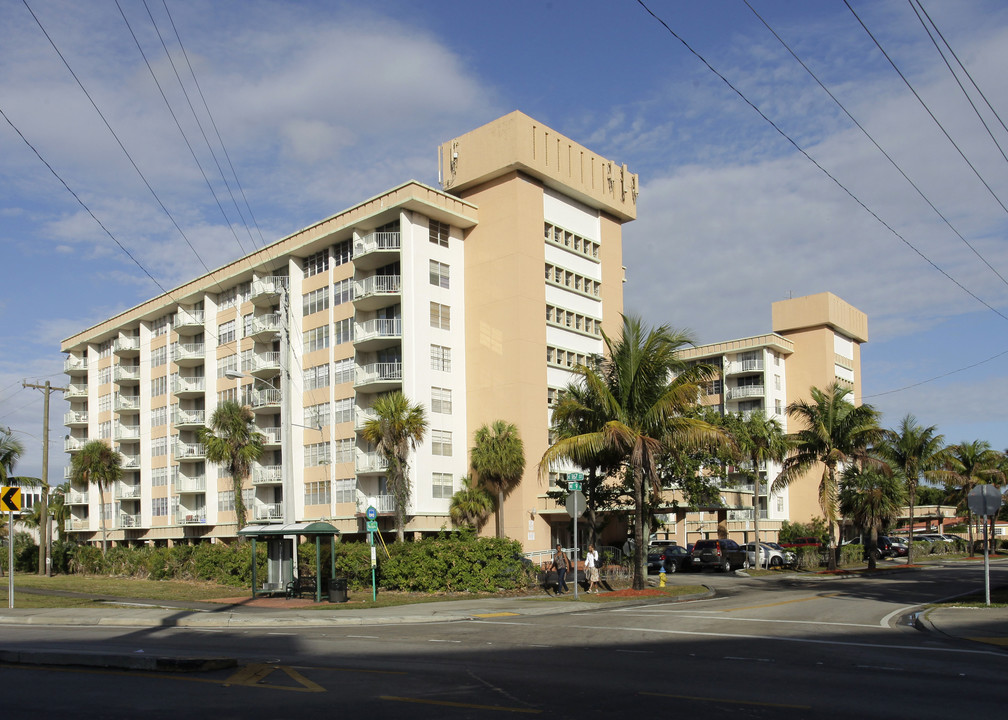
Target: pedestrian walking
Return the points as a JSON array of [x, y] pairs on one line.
[[592, 566], [562, 564]]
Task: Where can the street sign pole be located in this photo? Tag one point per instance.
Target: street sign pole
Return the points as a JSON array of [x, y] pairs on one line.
[[574, 485], [985, 501], [10, 560]]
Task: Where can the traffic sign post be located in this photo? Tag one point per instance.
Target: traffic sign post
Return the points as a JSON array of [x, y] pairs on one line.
[[985, 501], [575, 506], [10, 500], [372, 527]]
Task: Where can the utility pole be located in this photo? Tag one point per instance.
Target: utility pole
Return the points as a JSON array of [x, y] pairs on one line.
[[45, 524]]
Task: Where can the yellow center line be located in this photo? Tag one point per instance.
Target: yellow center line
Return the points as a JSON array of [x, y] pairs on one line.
[[732, 702], [448, 703], [782, 602]]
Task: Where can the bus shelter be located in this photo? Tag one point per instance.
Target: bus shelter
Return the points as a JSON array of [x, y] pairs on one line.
[[280, 541]]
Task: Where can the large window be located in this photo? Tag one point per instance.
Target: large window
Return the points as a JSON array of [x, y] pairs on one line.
[[316, 263], [228, 363], [317, 415], [159, 356], [343, 371], [440, 316], [316, 339], [316, 377], [439, 233], [440, 358], [344, 451], [342, 291], [317, 493], [226, 332], [344, 410], [344, 331], [159, 385], [441, 442], [342, 252], [315, 301], [159, 477], [441, 400], [438, 273], [441, 485], [159, 506], [345, 491], [316, 454]]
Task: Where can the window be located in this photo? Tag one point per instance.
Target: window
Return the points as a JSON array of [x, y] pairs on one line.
[[342, 252], [316, 339], [344, 332], [343, 291], [159, 385], [105, 429], [247, 325], [105, 376], [159, 446], [343, 371], [344, 410], [161, 325], [159, 416], [776, 382], [441, 485], [315, 301], [105, 403], [228, 298], [226, 364], [316, 263], [344, 451], [159, 506], [438, 274], [440, 358], [317, 415], [777, 407], [159, 356], [439, 233], [159, 477], [440, 316], [345, 491], [441, 400], [317, 493], [316, 454], [441, 442], [316, 377]]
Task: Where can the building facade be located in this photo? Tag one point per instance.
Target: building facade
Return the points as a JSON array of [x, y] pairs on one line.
[[474, 300]]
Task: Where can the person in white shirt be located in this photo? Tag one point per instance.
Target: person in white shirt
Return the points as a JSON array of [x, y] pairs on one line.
[[592, 566]]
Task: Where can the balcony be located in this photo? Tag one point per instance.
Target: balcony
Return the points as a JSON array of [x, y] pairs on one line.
[[376, 249], [379, 377], [127, 433], [125, 491], [126, 346], [267, 475], [189, 451], [747, 391], [130, 461], [126, 403], [79, 524], [73, 444], [126, 374], [182, 418], [265, 327], [377, 291], [74, 365], [188, 386], [75, 418], [128, 520], [188, 322], [77, 497], [266, 291], [270, 512], [738, 367], [76, 390], [265, 399], [362, 415], [270, 436], [265, 364], [369, 462], [188, 354], [377, 333], [190, 517], [384, 504], [187, 484]]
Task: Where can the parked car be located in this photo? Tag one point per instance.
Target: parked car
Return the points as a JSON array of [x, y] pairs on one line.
[[675, 558], [790, 556], [724, 554], [771, 555], [900, 546]]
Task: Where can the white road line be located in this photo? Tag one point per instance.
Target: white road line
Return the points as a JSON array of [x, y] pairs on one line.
[[444, 641], [770, 620], [739, 636], [884, 622], [878, 667], [366, 637], [637, 652]]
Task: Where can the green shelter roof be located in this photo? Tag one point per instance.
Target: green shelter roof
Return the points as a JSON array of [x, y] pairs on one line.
[[302, 528]]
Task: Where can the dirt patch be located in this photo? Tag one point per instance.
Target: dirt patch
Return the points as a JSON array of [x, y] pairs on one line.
[[631, 593]]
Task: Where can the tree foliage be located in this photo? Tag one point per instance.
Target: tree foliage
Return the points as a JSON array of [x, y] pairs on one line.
[[231, 440], [498, 459], [96, 462]]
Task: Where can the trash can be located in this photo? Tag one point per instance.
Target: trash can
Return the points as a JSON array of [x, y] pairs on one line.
[[338, 590]]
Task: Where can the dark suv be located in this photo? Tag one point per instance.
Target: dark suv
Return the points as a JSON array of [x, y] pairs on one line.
[[724, 554]]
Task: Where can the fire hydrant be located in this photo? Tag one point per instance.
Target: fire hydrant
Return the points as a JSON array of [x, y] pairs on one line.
[[661, 577]]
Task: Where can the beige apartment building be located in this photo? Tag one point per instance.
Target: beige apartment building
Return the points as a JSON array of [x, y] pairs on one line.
[[816, 340], [475, 300]]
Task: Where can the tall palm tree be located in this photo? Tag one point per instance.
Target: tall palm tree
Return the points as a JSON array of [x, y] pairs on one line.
[[472, 504], [835, 431], [498, 459], [915, 451], [232, 441], [644, 391], [759, 439], [11, 451], [96, 462], [871, 498], [398, 428], [967, 465], [58, 508]]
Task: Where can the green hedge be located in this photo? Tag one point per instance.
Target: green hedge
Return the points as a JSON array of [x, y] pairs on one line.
[[219, 563]]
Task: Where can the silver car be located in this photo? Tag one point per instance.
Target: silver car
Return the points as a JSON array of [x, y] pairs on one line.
[[776, 557]]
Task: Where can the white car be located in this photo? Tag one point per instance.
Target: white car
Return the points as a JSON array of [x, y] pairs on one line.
[[776, 557]]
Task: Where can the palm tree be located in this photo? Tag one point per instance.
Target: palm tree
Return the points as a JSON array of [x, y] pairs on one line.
[[967, 465], [835, 431], [498, 459], [232, 441], [760, 439], [871, 498], [96, 462], [11, 451], [644, 392], [398, 428], [58, 508], [471, 505], [915, 451]]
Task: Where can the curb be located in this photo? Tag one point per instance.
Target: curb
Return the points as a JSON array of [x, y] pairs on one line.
[[120, 661]]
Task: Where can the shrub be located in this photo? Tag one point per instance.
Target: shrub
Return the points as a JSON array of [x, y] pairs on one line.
[[807, 558]]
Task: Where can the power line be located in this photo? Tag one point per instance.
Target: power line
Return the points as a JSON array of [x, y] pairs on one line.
[[938, 377]]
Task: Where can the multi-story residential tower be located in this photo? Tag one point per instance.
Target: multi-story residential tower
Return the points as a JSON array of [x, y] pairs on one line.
[[474, 301]]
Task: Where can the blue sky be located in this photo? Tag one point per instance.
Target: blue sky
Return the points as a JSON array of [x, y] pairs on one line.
[[322, 105]]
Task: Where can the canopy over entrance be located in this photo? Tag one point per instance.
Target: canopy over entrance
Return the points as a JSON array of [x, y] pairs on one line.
[[279, 549]]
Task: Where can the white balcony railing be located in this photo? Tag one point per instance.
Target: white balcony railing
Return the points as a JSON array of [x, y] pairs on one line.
[[189, 451], [271, 435], [77, 497], [126, 372], [377, 241], [188, 483], [130, 461], [269, 511], [267, 475], [129, 520], [264, 397], [378, 285], [79, 524], [76, 390], [189, 417], [734, 367], [72, 444], [126, 402], [127, 432], [187, 318], [189, 351], [362, 415], [272, 285], [190, 517], [746, 391], [125, 344], [379, 372], [370, 462], [124, 491], [377, 328], [74, 364], [188, 384], [266, 324], [266, 361], [381, 503], [75, 417]]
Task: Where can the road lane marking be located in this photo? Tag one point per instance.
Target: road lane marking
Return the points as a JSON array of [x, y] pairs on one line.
[[253, 674], [496, 614], [448, 703], [444, 641], [723, 700], [719, 618], [367, 637], [781, 602]]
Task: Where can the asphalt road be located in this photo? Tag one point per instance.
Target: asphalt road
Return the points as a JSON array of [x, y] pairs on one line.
[[782, 649]]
